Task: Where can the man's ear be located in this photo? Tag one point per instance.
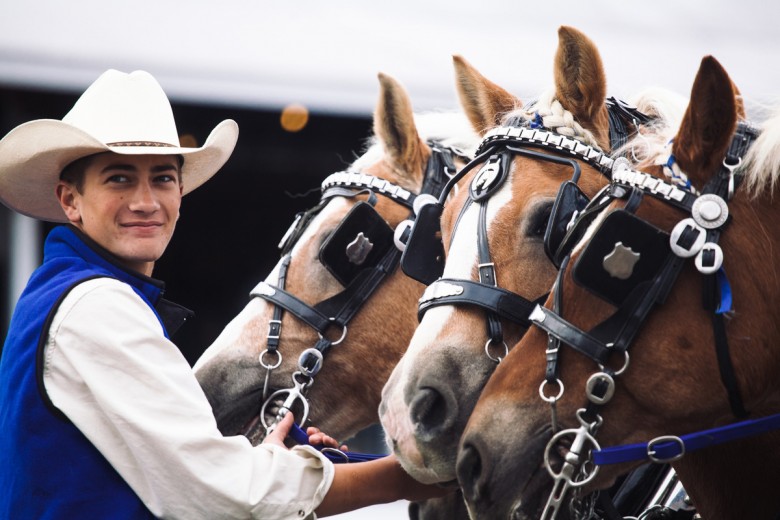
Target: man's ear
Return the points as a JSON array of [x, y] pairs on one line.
[[69, 200]]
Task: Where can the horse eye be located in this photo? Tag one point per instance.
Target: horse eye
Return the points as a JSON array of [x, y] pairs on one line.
[[538, 221]]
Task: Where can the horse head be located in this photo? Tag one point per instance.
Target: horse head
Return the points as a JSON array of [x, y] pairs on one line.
[[494, 230], [323, 331], [661, 256]]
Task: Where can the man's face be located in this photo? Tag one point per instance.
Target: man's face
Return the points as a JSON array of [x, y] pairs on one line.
[[128, 204]]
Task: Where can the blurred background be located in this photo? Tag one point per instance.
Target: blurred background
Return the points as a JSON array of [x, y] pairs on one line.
[[252, 60]]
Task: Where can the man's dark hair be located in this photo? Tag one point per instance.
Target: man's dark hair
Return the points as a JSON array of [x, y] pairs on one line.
[[73, 173]]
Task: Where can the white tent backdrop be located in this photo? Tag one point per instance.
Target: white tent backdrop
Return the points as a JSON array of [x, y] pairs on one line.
[[325, 54]]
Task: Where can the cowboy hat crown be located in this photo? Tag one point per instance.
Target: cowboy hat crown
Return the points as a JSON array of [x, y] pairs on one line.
[[121, 113]]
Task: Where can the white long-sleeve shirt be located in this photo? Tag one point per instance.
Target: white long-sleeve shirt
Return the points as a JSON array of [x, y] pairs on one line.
[[109, 368]]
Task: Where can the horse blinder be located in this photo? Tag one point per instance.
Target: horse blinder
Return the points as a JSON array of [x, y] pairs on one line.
[[423, 257], [360, 241], [624, 252], [569, 202]]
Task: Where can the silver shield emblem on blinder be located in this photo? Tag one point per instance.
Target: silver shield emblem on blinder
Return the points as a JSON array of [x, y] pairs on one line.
[[358, 249], [621, 261]]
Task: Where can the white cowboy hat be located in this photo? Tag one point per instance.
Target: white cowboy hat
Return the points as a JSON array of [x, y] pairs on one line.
[[121, 113]]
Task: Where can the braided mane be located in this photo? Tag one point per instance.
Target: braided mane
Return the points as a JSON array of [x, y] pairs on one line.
[[555, 118]]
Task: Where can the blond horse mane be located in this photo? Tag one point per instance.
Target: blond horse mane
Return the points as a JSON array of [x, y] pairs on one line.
[[761, 167], [554, 117]]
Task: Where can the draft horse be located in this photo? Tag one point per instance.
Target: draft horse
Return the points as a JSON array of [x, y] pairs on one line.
[[679, 264], [493, 231], [322, 332]]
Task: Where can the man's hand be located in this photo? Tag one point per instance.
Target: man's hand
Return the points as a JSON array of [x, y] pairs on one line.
[[280, 431], [317, 438]]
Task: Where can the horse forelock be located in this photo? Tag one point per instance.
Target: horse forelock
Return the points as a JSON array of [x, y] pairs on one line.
[[554, 117], [760, 166]]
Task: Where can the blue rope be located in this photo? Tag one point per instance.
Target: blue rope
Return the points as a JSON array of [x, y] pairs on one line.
[[672, 449], [335, 456]]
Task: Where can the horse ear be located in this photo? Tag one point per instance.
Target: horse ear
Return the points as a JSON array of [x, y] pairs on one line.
[[740, 101], [580, 82], [394, 126], [708, 122], [484, 102]]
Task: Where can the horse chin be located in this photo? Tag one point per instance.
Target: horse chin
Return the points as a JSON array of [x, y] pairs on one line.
[[428, 476]]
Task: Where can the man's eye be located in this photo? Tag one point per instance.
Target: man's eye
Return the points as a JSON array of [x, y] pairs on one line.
[[165, 178], [118, 179]]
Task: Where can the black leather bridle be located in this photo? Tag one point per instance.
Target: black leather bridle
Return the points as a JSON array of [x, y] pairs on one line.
[[338, 310], [635, 291], [518, 136]]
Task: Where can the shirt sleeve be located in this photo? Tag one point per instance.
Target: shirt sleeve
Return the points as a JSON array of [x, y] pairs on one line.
[[109, 368]]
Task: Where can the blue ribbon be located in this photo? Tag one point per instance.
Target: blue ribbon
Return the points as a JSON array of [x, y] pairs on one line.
[[537, 121], [725, 292], [672, 449], [334, 455]]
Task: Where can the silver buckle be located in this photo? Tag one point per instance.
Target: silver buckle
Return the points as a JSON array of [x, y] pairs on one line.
[[651, 453]]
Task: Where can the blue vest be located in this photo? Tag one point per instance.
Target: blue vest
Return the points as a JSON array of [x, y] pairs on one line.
[[48, 469]]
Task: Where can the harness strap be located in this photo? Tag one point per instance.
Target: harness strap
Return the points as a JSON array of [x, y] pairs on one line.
[[725, 366], [573, 336], [356, 180], [487, 272], [724, 184], [504, 303], [553, 343], [275, 325], [542, 138], [621, 115], [344, 305], [314, 318], [621, 328]]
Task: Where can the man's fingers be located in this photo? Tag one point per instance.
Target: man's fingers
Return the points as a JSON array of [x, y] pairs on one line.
[[280, 431]]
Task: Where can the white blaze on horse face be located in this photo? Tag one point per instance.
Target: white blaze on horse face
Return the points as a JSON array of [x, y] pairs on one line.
[[439, 326], [236, 340], [441, 323]]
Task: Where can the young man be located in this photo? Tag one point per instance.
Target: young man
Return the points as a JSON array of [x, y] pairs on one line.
[[101, 416]]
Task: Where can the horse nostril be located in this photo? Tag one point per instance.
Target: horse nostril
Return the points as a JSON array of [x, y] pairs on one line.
[[428, 410], [469, 470]]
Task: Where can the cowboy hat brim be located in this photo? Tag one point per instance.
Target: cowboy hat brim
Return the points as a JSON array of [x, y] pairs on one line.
[[33, 155]]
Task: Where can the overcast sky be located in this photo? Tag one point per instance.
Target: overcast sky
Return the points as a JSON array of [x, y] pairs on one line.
[[326, 54]]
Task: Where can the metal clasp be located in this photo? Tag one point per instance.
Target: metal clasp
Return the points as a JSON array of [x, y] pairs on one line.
[[343, 333], [296, 393], [269, 367], [496, 359], [651, 451], [573, 474], [731, 168]]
